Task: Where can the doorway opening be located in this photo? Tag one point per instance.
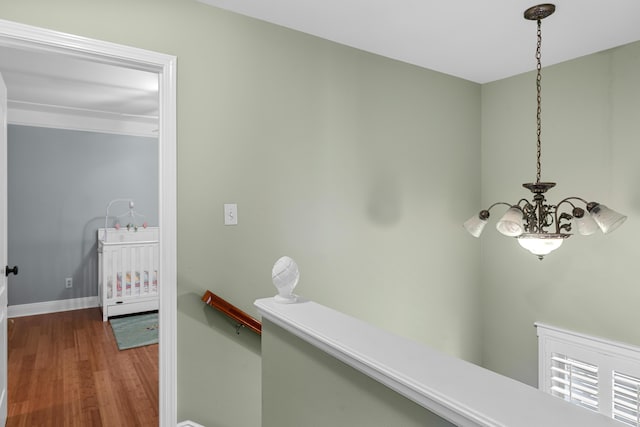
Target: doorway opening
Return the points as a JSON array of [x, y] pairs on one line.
[[33, 39]]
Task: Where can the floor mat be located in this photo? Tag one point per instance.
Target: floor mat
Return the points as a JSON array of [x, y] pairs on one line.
[[135, 331]]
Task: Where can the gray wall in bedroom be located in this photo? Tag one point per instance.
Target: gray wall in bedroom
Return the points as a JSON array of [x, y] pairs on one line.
[[60, 182]]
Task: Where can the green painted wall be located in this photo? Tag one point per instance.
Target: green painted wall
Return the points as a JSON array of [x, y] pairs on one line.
[[362, 169], [590, 147], [359, 167], [304, 386], [72, 171]]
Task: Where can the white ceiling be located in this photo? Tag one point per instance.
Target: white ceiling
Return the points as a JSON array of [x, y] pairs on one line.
[[474, 40], [41, 81], [481, 41]]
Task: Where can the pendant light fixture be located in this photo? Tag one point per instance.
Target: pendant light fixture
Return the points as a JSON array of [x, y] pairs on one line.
[[541, 227]]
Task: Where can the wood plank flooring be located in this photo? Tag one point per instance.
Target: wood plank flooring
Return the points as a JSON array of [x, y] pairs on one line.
[[65, 369]]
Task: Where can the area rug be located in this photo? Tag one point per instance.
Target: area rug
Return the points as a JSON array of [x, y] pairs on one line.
[[135, 331]]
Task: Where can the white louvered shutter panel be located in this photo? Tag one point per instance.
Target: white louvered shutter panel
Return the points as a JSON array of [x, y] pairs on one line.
[[574, 381], [592, 372], [626, 394]]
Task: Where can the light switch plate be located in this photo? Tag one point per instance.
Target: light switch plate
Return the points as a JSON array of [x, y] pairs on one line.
[[230, 214]]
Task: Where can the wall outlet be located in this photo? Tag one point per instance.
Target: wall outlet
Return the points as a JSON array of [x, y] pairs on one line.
[[68, 282]]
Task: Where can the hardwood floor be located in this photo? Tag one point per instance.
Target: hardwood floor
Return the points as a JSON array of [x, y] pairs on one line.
[[65, 369]]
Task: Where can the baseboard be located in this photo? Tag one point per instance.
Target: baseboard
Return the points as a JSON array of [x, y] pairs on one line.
[[51, 306]]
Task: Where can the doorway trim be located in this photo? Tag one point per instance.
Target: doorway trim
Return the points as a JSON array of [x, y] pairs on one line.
[[22, 36]]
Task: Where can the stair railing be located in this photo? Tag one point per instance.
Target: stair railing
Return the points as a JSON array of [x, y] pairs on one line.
[[244, 320]]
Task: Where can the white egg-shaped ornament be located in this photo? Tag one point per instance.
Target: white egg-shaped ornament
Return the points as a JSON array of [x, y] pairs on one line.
[[285, 275]]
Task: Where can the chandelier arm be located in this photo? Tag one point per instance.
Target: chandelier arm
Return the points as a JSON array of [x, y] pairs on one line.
[[576, 212], [498, 203], [567, 200]]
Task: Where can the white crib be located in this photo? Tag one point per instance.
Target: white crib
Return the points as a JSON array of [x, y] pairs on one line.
[[128, 270]]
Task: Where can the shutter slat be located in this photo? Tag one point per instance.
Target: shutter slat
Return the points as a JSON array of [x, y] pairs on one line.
[[575, 381], [585, 371], [626, 397]]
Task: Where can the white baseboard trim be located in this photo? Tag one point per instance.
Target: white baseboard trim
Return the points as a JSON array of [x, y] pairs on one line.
[[52, 306]]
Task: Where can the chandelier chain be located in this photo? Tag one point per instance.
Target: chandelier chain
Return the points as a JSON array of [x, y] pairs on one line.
[[539, 99]]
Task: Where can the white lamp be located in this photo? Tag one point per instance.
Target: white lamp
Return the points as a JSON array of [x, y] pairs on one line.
[[541, 244], [607, 219], [511, 223], [476, 223], [586, 225]]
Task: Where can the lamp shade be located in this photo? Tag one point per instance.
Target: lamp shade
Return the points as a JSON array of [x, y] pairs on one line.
[[475, 225], [540, 246], [607, 219], [511, 222], [586, 225]]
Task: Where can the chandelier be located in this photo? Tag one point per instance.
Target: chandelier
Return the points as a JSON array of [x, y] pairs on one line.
[[541, 227]]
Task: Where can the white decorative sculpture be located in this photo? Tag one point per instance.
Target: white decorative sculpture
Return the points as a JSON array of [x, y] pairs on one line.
[[285, 275]]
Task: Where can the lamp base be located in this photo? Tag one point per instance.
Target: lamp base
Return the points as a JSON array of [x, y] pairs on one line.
[[286, 300]]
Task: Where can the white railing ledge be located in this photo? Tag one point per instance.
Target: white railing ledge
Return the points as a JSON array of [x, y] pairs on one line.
[[458, 391]]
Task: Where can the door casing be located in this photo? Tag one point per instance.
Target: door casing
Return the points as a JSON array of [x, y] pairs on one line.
[[42, 40]]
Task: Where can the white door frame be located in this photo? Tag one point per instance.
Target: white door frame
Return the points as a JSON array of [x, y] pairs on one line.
[[3, 256], [37, 39]]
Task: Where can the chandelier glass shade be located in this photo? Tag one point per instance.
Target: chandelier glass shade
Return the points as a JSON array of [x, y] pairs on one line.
[[539, 226]]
